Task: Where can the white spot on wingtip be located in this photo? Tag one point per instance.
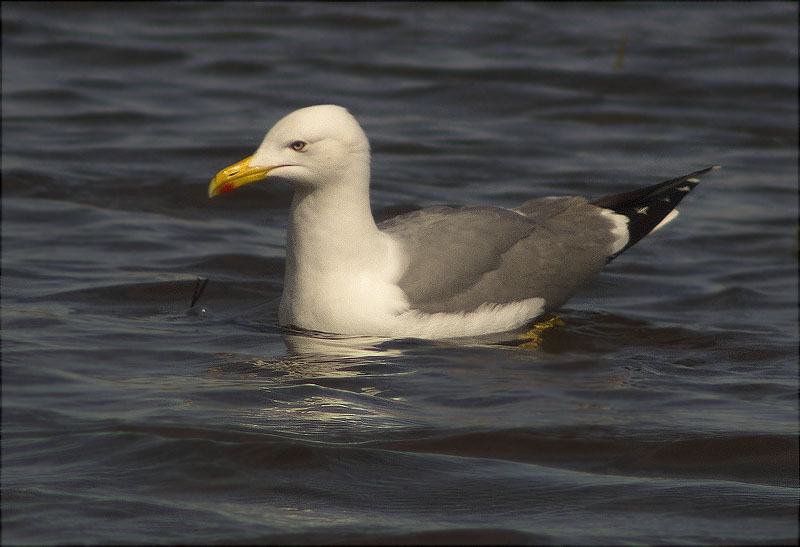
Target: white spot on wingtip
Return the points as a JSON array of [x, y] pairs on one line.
[[715, 167], [642, 210], [671, 216], [694, 180]]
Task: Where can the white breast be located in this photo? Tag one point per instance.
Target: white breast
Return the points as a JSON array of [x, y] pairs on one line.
[[366, 299]]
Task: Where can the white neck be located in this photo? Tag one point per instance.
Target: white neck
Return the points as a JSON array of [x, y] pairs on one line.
[[332, 222], [335, 255]]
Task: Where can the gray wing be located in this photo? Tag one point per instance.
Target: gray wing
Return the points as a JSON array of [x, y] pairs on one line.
[[461, 258]]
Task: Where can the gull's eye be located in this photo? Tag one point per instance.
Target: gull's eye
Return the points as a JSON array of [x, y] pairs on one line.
[[297, 146]]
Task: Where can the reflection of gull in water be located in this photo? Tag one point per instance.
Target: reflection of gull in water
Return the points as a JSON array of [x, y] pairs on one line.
[[323, 386], [309, 346], [312, 355]]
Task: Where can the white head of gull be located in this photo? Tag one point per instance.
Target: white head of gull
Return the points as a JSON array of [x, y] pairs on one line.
[[434, 273]]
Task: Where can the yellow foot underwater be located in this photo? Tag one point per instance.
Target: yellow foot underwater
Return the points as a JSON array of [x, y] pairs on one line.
[[533, 338]]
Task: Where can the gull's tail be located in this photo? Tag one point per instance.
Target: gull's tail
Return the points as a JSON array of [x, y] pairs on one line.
[[650, 207]]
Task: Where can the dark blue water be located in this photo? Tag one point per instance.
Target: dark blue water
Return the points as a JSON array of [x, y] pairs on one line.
[[664, 410]]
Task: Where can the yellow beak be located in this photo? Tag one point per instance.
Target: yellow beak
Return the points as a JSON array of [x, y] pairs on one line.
[[238, 174]]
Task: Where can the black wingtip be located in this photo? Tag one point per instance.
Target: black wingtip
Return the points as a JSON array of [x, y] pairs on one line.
[[647, 207]]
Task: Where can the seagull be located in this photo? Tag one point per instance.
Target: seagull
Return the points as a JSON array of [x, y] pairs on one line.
[[442, 272]]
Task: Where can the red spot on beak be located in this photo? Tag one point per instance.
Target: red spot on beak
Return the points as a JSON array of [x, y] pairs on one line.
[[227, 187]]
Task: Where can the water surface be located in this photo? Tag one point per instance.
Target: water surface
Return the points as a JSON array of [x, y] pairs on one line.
[[664, 410]]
